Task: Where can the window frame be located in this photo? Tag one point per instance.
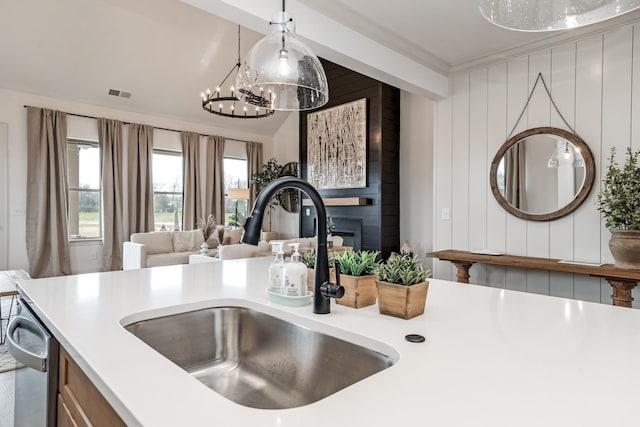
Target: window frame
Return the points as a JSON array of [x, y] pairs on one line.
[[226, 191], [96, 144], [176, 153]]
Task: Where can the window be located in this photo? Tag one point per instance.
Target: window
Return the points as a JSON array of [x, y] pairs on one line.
[[235, 202], [167, 189], [83, 174]]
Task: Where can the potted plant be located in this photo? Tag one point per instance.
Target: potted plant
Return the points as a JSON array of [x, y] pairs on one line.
[[402, 286], [330, 227], [308, 258], [286, 198], [357, 278], [619, 203]]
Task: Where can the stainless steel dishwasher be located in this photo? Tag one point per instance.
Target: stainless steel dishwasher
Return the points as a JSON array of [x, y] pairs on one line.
[[31, 344]]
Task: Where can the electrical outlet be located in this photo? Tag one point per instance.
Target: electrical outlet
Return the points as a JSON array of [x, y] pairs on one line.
[[445, 214]]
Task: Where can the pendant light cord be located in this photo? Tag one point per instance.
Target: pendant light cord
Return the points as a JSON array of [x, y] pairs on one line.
[[538, 79], [237, 64], [238, 45]]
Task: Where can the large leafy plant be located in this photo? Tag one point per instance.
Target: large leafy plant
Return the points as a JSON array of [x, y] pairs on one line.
[[273, 170], [402, 269], [288, 197], [357, 263], [619, 199]]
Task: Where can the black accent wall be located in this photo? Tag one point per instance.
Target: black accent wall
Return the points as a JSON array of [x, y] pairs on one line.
[[380, 218]]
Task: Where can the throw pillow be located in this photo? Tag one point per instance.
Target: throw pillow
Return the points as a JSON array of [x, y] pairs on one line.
[[213, 241], [233, 236], [219, 234]]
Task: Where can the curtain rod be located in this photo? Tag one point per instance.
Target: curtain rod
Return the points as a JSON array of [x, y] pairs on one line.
[[155, 127]]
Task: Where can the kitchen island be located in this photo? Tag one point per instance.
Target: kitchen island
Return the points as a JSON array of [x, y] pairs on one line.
[[492, 357]]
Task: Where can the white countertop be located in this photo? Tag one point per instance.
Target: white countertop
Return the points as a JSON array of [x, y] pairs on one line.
[[492, 357]]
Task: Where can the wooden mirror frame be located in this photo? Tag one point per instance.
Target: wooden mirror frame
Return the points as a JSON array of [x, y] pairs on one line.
[[590, 173]]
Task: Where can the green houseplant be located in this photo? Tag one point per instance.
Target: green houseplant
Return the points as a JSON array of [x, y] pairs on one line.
[[402, 286], [357, 277], [286, 198], [308, 258], [619, 203]]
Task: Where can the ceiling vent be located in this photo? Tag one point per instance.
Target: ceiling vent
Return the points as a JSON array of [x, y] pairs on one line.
[[120, 93]]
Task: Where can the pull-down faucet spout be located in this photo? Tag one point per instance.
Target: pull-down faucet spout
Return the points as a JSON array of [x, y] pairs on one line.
[[323, 290]]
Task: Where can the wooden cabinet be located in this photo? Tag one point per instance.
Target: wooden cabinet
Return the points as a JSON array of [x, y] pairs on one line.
[[64, 416], [80, 404]]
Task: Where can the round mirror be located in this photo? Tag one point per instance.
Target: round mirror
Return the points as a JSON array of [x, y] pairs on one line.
[[542, 173]]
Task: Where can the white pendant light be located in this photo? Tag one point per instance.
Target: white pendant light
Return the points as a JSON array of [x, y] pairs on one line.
[[282, 70], [552, 15]]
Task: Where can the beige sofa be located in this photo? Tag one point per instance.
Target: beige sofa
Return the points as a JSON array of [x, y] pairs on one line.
[[160, 248]]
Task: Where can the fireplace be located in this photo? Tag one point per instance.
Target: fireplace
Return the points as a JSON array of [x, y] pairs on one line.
[[350, 229], [376, 225]]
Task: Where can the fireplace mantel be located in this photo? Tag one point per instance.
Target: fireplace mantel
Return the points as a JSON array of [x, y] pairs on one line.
[[339, 201]]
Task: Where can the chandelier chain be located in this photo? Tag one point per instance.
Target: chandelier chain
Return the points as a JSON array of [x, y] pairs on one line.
[[210, 99]]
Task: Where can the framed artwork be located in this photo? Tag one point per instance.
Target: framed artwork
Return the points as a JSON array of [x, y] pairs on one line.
[[337, 146]]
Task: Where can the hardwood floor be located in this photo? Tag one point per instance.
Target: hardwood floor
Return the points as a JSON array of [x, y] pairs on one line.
[[6, 398]]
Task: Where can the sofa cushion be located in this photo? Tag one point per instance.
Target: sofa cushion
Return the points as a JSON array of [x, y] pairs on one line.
[[155, 242], [172, 258], [184, 241]]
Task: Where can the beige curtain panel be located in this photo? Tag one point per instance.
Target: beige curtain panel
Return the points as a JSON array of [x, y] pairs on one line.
[[47, 193], [254, 166], [214, 200], [111, 146], [140, 180], [515, 177], [192, 207]]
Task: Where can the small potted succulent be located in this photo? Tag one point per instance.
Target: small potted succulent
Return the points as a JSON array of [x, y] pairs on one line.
[[619, 203], [308, 258], [357, 277], [402, 286]]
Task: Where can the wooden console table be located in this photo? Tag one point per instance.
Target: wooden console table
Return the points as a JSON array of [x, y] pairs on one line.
[[622, 281]]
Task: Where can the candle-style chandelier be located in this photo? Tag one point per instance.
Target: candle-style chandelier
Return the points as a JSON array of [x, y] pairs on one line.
[[231, 106]]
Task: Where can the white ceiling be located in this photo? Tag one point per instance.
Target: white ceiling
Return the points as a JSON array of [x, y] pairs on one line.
[[166, 51], [440, 33]]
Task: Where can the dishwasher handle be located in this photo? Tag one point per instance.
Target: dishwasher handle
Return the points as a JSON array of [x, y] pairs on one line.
[[21, 354]]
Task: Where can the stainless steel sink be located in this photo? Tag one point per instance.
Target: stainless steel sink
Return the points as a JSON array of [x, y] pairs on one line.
[[258, 360]]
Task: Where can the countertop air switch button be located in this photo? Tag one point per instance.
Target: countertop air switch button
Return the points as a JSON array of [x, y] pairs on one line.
[[415, 338]]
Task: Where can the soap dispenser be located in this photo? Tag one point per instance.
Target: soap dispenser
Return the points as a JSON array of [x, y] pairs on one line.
[[295, 275], [276, 269]]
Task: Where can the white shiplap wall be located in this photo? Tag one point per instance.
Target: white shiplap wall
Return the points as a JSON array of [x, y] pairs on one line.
[[596, 85]]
